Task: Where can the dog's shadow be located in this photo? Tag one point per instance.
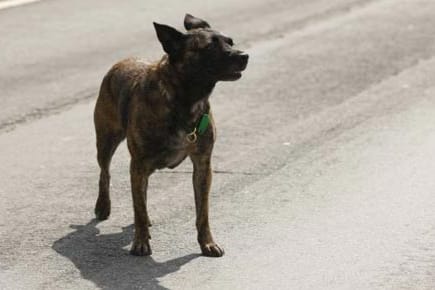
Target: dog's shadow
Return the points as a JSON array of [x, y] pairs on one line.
[[102, 259]]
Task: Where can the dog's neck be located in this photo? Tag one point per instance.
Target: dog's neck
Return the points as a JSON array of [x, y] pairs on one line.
[[186, 89], [188, 95]]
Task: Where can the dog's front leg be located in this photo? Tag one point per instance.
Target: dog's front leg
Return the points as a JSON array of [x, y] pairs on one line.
[[139, 181], [201, 185]]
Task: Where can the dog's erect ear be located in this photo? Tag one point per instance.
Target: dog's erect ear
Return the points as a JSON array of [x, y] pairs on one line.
[[171, 39], [191, 22]]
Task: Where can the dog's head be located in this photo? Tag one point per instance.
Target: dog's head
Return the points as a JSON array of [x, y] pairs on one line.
[[202, 53]]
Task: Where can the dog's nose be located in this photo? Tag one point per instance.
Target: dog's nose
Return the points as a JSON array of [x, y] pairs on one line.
[[244, 60]]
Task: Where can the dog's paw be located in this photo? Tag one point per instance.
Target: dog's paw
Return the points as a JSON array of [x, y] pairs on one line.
[[141, 248], [102, 209], [212, 250]]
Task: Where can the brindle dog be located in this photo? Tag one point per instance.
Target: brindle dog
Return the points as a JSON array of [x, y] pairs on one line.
[[157, 107]]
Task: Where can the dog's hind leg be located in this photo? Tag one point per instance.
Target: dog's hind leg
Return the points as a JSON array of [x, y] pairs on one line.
[[106, 146], [109, 133]]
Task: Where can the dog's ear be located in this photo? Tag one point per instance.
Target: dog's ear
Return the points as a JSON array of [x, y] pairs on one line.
[[171, 39], [191, 22]]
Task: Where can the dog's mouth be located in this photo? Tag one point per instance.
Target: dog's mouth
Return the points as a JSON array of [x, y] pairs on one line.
[[233, 76]]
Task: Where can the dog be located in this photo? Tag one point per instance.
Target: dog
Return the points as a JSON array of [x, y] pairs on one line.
[[163, 111]]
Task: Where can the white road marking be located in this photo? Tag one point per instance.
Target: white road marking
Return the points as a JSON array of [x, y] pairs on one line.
[[14, 3]]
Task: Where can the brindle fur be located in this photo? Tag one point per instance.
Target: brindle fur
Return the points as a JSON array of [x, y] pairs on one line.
[[154, 106]]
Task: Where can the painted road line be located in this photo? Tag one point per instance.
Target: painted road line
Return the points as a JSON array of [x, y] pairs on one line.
[[14, 3]]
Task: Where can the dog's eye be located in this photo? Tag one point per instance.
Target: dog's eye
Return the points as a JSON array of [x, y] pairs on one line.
[[230, 41], [214, 42]]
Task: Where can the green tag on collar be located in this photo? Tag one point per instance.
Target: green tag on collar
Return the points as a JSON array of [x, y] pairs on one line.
[[203, 124]]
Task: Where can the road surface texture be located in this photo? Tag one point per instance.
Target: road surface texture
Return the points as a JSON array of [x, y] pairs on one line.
[[324, 163]]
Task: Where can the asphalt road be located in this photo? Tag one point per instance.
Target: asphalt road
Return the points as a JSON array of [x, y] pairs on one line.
[[323, 165]]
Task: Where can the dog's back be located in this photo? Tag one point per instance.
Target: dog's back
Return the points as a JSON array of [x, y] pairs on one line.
[[125, 80]]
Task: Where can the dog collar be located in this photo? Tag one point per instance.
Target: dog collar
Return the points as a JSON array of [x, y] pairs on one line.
[[199, 129]]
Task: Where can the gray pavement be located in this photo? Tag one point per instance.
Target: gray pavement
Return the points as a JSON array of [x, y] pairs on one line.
[[323, 162]]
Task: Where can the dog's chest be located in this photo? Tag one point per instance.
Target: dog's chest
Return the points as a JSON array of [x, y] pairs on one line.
[[178, 149], [179, 146]]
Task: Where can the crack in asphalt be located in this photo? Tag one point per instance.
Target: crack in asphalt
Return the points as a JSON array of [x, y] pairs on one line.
[[51, 109], [216, 171]]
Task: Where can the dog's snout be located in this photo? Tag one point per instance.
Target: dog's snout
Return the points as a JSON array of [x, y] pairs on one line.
[[239, 55], [244, 60], [244, 57]]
